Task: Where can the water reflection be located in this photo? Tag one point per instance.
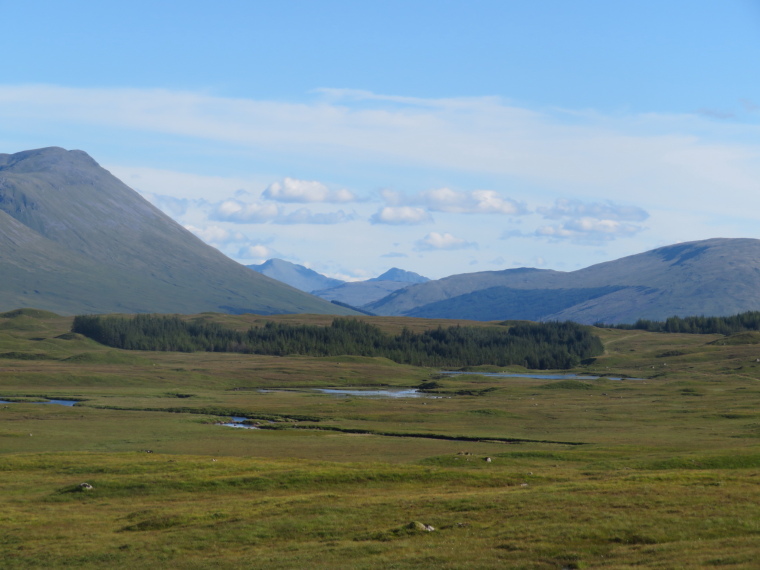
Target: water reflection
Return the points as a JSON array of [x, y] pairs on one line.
[[237, 422]]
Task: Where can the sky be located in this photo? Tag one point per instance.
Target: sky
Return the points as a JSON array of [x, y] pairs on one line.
[[437, 136]]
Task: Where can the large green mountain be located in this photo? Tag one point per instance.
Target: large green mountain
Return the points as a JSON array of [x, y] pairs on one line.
[[75, 239], [710, 277]]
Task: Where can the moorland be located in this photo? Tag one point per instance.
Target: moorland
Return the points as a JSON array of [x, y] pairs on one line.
[[649, 458]]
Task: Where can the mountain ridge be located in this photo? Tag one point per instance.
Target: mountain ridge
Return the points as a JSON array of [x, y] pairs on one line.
[[718, 276], [75, 239]]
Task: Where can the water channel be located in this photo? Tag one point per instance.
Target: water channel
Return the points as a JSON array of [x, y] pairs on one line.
[[52, 401], [539, 376]]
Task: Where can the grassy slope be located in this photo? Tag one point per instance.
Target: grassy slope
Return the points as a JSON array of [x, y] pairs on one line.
[[666, 478]]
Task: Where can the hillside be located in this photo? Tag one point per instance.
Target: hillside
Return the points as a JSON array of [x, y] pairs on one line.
[[710, 277], [75, 239]]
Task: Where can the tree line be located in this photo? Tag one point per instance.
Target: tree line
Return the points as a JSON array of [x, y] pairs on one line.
[[533, 345], [742, 322]]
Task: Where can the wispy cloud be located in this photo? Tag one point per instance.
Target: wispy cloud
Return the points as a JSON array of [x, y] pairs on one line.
[[588, 231], [239, 212], [245, 212], [585, 223], [401, 215], [306, 216], [556, 148], [442, 241], [458, 202], [564, 208]]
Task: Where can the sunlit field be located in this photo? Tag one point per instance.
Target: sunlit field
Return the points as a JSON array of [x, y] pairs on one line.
[[658, 467]]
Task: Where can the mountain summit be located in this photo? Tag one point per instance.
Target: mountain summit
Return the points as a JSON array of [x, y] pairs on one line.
[[75, 239]]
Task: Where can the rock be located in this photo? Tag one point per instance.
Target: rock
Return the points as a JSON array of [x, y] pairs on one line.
[[85, 487], [417, 525]]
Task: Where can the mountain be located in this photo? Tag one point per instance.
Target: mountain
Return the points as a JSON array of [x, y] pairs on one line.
[[400, 276], [295, 275], [710, 277], [359, 293], [74, 239]]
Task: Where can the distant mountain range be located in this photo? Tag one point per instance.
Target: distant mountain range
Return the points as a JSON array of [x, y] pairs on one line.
[[74, 239], [710, 277], [353, 293]]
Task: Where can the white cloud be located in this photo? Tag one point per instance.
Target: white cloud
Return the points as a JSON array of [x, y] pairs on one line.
[[473, 202], [216, 235], [401, 215], [437, 241], [305, 191], [245, 213], [257, 252]]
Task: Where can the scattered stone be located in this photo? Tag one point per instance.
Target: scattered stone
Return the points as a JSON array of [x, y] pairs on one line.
[[523, 484]]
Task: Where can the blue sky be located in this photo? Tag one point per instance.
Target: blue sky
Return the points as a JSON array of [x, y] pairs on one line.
[[441, 136]]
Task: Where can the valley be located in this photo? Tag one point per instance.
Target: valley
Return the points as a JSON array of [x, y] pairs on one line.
[[583, 473]]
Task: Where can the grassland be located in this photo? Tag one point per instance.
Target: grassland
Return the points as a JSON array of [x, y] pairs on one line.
[[660, 472]]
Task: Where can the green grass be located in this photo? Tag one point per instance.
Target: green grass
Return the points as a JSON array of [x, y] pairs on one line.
[[665, 476]]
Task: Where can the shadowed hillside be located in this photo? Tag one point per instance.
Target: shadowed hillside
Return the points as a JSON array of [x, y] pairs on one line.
[[710, 277]]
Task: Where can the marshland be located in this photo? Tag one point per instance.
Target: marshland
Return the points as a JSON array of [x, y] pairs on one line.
[[658, 467]]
